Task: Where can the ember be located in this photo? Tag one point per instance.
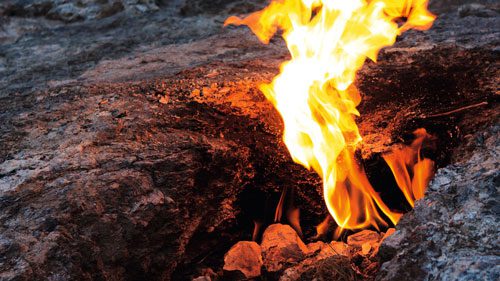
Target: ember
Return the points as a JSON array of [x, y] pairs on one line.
[[315, 95]]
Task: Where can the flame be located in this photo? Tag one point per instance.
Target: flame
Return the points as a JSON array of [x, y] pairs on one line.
[[314, 92], [407, 159]]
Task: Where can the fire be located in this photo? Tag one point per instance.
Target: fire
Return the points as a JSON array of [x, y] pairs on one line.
[[406, 161], [314, 93]]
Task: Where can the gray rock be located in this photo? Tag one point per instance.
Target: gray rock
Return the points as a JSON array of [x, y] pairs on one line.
[[453, 233], [75, 10], [476, 10]]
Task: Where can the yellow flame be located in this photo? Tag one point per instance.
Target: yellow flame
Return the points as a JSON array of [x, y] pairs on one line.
[[314, 92], [407, 160]]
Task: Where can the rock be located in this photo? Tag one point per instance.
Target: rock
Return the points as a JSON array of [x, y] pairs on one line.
[[75, 10], [66, 12], [388, 250], [452, 234], [476, 10], [362, 237], [245, 257], [318, 251], [389, 247], [322, 249], [281, 245], [202, 278], [315, 246]]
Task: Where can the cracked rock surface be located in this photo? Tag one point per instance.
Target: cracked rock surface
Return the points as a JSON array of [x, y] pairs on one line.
[[132, 132]]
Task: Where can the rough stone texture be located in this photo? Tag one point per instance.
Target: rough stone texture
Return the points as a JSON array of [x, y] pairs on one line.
[[130, 184], [74, 10], [131, 144], [453, 233], [37, 51], [362, 237], [318, 252], [322, 249], [281, 245], [245, 257], [287, 258]]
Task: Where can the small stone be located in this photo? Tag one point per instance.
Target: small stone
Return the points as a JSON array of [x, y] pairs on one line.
[[164, 100], [196, 93], [212, 74], [202, 278], [315, 246], [280, 245], [324, 250], [365, 236], [169, 200], [245, 257], [319, 251]]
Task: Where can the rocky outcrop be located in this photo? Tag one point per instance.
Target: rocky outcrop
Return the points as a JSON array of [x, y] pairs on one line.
[[452, 234]]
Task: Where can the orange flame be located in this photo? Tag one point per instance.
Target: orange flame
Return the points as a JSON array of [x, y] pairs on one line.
[[407, 159], [314, 92]]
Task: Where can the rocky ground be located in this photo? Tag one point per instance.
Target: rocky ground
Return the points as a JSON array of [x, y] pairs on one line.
[[282, 255], [134, 143]]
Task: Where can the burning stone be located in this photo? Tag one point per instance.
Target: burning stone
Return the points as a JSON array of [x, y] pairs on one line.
[[244, 257], [281, 244]]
